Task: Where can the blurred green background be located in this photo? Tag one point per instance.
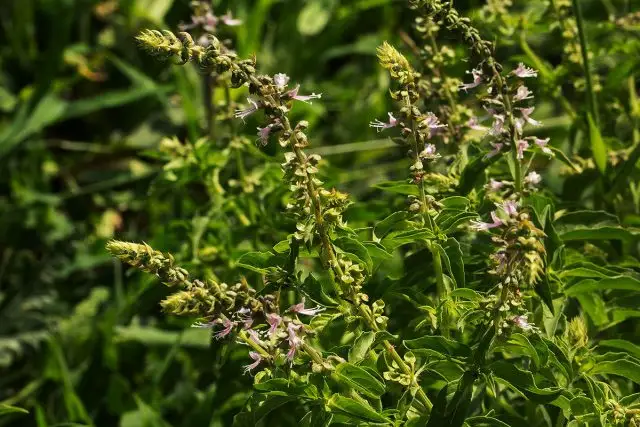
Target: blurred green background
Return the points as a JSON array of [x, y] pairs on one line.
[[82, 110]]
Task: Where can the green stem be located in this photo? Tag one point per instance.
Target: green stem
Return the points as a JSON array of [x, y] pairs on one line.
[[591, 95], [254, 345]]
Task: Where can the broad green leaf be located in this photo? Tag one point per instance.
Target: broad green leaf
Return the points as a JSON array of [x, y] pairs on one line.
[[358, 410], [395, 222], [352, 246], [448, 221], [523, 381], [400, 238], [438, 345], [454, 253], [594, 306], [624, 368], [260, 262], [587, 218], [361, 346], [377, 251], [598, 233], [598, 147], [359, 379], [316, 418], [624, 283], [466, 293], [455, 202]]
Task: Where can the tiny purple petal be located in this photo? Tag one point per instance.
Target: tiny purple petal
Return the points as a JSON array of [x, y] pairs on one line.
[[264, 133], [484, 226], [242, 114], [229, 20], [522, 93], [497, 147], [477, 80], [228, 326], [299, 308], [257, 359], [377, 124], [495, 185], [274, 321], [510, 207], [521, 145], [293, 94], [522, 323], [526, 113], [523, 72]]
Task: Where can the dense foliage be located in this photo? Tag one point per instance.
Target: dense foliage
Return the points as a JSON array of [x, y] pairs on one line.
[[374, 212]]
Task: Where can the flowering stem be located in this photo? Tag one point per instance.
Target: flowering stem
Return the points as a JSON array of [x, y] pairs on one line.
[[332, 261]]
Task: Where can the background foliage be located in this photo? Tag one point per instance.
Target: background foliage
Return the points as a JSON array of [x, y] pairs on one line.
[[82, 114]]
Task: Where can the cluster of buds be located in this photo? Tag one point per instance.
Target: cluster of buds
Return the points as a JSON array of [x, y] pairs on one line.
[[353, 277], [145, 258], [225, 309], [397, 375]]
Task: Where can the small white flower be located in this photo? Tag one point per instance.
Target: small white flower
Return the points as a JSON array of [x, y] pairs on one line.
[[281, 81], [523, 72], [533, 178]]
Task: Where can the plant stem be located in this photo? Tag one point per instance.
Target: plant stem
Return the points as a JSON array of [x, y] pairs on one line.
[[591, 95]]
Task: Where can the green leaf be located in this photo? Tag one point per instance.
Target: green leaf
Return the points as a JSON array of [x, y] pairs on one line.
[[260, 262], [449, 220], [594, 306], [316, 418], [352, 246], [437, 345], [396, 239], [455, 202], [624, 283], [377, 251], [625, 368], [399, 187], [359, 379], [466, 293], [314, 17], [598, 147], [395, 221], [598, 233], [628, 346], [523, 381], [356, 409], [361, 346], [8, 409], [454, 253]]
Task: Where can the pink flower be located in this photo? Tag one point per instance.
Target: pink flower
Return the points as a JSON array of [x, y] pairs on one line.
[[264, 133], [294, 340], [299, 308], [245, 317], [293, 94], [523, 72], [497, 147], [521, 322], [521, 145], [242, 114], [228, 326], [484, 226], [542, 143], [510, 207], [526, 113], [429, 152], [495, 185], [274, 321], [474, 124], [229, 20], [377, 124], [257, 359], [477, 80], [432, 123], [498, 124], [522, 93], [533, 178], [281, 81]]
